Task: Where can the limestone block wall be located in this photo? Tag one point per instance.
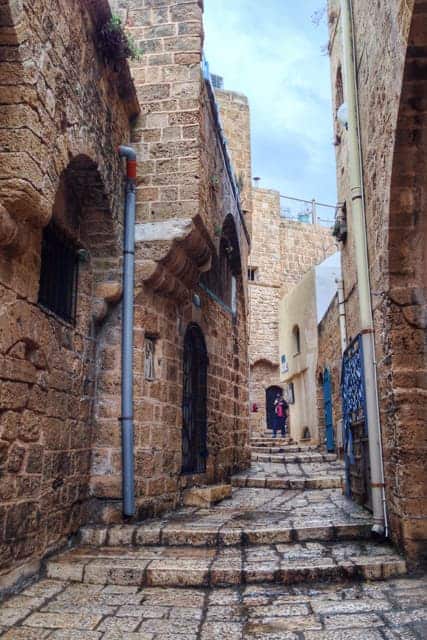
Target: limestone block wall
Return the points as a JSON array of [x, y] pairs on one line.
[[62, 116], [235, 117], [184, 196], [391, 78], [282, 251], [59, 383], [302, 246]]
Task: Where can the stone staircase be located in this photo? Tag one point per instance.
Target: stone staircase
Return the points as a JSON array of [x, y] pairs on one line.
[[287, 522]]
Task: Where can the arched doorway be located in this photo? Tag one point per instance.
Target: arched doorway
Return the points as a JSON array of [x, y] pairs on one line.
[[405, 302], [194, 402], [270, 396]]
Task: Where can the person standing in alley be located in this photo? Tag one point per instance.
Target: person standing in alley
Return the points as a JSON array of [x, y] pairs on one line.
[[281, 414]]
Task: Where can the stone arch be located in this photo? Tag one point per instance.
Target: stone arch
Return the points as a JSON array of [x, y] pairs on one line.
[[406, 300], [225, 264], [82, 209], [270, 396]]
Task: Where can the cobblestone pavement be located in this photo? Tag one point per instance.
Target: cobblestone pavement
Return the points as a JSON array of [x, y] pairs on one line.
[[258, 566], [57, 610]]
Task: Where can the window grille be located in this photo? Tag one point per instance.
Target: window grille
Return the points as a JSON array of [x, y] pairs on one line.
[[252, 274], [217, 81], [149, 371], [58, 274]]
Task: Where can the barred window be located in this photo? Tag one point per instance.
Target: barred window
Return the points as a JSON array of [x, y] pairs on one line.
[[150, 347], [252, 274], [58, 274]]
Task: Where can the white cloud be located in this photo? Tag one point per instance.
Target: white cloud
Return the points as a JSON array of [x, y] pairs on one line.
[[272, 52]]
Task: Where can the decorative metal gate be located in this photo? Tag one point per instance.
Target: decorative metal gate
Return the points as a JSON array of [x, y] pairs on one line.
[[270, 396], [355, 424], [194, 413], [329, 421]]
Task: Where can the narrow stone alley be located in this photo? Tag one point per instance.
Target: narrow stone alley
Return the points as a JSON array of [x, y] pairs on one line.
[[287, 557]]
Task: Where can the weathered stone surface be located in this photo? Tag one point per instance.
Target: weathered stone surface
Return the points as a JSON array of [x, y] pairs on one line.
[[282, 252], [206, 496], [64, 111], [392, 88], [254, 612]]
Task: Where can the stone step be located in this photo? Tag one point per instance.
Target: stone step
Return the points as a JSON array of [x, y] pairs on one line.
[[278, 442], [177, 533], [277, 448], [271, 439], [202, 567], [293, 458], [260, 481]]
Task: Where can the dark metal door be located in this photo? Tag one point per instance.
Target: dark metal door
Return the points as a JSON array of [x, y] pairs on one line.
[[329, 421], [194, 413], [270, 396]]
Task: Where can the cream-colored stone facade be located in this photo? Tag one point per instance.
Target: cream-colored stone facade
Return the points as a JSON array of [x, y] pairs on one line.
[[298, 344]]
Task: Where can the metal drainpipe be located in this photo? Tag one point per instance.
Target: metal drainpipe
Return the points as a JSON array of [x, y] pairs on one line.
[[364, 288], [342, 317], [128, 480]]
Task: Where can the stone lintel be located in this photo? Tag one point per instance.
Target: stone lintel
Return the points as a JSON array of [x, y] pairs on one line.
[[172, 229], [175, 252]]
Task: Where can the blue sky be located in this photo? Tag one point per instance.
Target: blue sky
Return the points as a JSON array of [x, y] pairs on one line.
[[270, 50]]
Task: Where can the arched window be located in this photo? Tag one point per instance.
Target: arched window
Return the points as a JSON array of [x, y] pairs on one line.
[[296, 339], [220, 280]]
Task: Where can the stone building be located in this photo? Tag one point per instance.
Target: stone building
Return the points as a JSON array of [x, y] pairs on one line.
[[282, 252], [301, 312], [68, 101], [392, 87]]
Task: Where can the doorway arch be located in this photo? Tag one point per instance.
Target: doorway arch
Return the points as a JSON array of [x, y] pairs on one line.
[[405, 342], [270, 396], [194, 402]]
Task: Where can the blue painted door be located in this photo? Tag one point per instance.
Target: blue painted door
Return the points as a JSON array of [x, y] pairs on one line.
[[329, 422]]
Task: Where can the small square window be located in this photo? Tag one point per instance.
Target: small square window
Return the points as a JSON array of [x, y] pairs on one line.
[[58, 274], [252, 274], [149, 351]]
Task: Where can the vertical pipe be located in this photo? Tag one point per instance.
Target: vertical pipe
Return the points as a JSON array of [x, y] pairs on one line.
[[128, 480], [313, 211], [341, 312], [364, 289]]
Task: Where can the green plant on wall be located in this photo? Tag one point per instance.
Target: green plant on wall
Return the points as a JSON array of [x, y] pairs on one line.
[[114, 43]]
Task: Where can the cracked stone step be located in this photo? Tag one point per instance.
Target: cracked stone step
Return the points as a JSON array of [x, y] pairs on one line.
[[293, 458], [282, 442], [287, 482], [272, 443], [187, 533], [201, 567], [281, 449]]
